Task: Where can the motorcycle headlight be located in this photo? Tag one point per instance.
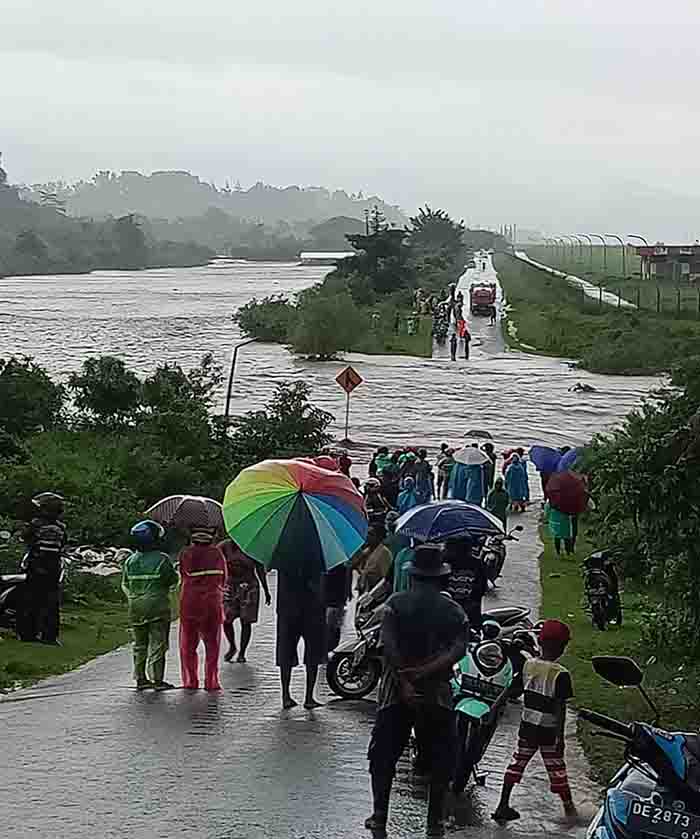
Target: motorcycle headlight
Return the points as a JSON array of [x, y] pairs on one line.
[[490, 656]]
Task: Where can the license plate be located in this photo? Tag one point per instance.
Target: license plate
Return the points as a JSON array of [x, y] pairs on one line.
[[479, 687], [359, 654], [661, 821]]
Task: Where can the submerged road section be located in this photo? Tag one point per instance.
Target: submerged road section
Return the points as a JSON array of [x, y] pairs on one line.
[[85, 756]]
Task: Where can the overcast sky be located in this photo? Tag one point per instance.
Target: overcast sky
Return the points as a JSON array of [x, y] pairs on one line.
[[555, 114]]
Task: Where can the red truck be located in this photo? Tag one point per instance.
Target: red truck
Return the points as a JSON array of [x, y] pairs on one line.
[[482, 296]]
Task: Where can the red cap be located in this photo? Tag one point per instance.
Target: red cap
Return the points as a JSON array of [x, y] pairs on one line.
[[555, 631]]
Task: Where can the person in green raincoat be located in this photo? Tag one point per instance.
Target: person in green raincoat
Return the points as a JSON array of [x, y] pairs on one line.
[[147, 579], [561, 526], [498, 501]]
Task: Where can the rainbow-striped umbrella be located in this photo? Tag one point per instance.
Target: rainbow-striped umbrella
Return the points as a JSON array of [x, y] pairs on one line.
[[292, 513]]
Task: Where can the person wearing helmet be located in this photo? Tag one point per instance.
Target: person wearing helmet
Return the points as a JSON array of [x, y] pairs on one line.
[[203, 572], [546, 687], [45, 537], [147, 580], [376, 505]]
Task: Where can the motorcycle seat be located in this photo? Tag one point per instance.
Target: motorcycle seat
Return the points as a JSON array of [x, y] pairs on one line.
[[506, 614]]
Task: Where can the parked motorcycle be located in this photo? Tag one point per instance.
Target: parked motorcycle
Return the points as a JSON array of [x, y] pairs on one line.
[[11, 592], [493, 554], [355, 667], [602, 590], [479, 687], [657, 790]]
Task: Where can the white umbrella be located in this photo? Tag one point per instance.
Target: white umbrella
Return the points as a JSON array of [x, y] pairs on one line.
[[471, 456]]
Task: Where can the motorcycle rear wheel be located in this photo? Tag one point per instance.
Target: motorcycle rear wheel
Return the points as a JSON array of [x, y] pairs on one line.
[[352, 685], [464, 767]]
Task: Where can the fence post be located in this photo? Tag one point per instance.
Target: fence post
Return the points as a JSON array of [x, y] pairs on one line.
[[619, 299], [600, 296], [658, 300], [678, 301], [699, 303], [639, 298], [583, 298]]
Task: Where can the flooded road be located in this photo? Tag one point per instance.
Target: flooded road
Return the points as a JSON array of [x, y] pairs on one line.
[[177, 315], [84, 755]]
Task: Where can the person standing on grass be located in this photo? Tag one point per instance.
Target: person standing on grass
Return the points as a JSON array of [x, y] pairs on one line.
[[244, 577], [45, 536], [301, 613], [203, 571], [561, 526], [148, 578], [546, 687]]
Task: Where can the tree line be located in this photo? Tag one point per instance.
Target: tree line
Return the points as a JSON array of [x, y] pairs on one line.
[[113, 443]]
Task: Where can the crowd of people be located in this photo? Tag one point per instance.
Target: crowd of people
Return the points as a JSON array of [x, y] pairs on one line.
[[423, 633]]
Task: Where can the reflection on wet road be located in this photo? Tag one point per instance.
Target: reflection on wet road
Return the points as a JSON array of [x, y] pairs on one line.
[[85, 756]]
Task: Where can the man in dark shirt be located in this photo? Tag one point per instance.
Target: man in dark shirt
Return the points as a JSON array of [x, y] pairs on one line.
[[424, 633]]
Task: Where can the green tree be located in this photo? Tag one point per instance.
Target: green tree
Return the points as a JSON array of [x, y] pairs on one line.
[[289, 426], [327, 325], [106, 390], [29, 399], [268, 319], [434, 232]]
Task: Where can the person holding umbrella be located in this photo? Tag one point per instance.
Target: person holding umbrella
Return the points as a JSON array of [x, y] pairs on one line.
[[302, 521], [424, 633], [203, 571]]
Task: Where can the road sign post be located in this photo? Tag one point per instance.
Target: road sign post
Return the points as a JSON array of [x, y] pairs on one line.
[[348, 379]]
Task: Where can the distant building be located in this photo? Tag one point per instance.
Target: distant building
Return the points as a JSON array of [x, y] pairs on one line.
[[323, 257], [673, 263]]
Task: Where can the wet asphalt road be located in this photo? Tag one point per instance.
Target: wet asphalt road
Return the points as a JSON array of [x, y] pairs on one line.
[[85, 756]]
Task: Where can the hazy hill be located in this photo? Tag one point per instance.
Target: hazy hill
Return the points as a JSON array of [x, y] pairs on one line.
[[173, 194]]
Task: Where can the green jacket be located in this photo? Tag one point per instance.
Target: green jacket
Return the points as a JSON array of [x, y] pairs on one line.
[[147, 580]]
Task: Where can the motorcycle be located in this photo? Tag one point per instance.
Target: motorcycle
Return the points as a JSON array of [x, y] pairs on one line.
[[602, 591], [657, 790], [479, 689], [493, 553], [12, 592], [355, 667]]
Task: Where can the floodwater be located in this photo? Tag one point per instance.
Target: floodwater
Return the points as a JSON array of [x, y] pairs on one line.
[[177, 315], [84, 755]]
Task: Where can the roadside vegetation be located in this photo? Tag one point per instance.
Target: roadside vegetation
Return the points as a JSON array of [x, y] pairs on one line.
[[643, 478], [550, 317], [112, 444], [367, 303], [671, 681]]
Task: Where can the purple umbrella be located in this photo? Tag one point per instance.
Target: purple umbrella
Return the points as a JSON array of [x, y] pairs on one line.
[[567, 460], [545, 458]]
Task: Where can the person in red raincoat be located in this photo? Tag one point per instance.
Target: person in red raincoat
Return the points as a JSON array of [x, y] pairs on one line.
[[203, 575]]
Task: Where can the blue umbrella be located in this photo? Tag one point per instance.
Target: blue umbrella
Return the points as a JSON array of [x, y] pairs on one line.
[[443, 520], [567, 460], [545, 458]]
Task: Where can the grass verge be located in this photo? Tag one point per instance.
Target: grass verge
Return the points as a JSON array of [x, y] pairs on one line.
[[672, 685], [552, 318], [88, 629], [388, 342]]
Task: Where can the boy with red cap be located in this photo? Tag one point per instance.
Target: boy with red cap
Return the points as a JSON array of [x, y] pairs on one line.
[[546, 686]]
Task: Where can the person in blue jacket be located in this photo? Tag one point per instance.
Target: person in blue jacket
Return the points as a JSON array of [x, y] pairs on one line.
[[517, 484], [408, 497]]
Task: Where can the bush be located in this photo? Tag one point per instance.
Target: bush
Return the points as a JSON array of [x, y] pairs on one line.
[[269, 319], [29, 400], [327, 325], [106, 390]]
